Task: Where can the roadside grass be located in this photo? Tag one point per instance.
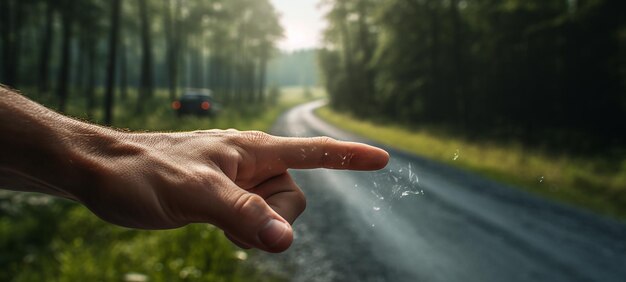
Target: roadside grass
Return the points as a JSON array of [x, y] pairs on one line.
[[47, 239], [592, 183]]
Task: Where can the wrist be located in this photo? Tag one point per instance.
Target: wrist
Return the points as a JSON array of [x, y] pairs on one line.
[[42, 151], [80, 157]]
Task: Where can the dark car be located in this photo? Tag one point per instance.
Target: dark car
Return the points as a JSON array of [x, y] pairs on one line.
[[198, 102]]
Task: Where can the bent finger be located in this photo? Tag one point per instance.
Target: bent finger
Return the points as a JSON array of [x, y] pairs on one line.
[[248, 219], [283, 195]]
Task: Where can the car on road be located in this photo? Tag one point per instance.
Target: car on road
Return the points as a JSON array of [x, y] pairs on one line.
[[197, 102]]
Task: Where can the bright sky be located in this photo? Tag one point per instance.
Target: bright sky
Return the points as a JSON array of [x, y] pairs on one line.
[[303, 23]]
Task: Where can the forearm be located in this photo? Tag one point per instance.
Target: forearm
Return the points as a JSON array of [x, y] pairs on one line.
[[40, 149]]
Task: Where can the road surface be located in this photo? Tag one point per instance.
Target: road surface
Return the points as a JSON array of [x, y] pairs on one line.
[[418, 220]]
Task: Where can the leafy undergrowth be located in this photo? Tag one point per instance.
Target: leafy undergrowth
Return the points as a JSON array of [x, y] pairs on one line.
[[593, 183], [47, 239]]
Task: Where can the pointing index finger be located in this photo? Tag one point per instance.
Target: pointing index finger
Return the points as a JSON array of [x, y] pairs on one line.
[[325, 152]]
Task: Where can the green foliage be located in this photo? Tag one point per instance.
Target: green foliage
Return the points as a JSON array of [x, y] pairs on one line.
[[541, 72], [65, 242]]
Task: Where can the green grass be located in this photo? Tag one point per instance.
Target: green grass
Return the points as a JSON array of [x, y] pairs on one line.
[[158, 116], [593, 183], [55, 240]]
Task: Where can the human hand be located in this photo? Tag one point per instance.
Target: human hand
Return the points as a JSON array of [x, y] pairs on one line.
[[237, 181]]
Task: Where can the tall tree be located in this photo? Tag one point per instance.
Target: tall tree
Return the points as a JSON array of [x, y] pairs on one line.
[[45, 50], [146, 79], [67, 12], [109, 98], [171, 27], [123, 70], [13, 13]]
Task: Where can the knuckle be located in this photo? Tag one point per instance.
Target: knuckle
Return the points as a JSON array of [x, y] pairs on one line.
[[324, 140], [249, 205], [235, 155], [255, 137]]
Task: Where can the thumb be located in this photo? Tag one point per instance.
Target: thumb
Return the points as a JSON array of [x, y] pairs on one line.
[[250, 220]]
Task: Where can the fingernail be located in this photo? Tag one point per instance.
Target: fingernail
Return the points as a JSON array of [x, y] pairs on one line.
[[272, 232]]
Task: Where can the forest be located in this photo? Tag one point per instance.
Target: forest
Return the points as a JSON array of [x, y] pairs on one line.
[[547, 73], [55, 49]]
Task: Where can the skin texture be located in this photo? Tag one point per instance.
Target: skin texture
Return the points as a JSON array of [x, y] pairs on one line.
[[237, 181]]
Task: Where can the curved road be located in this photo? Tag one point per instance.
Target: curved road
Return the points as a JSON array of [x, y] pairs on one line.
[[419, 220]]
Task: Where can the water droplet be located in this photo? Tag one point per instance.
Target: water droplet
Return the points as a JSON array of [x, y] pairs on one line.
[[540, 179], [380, 197], [408, 193], [457, 154]]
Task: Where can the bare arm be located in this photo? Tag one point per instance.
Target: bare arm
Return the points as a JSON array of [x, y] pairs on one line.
[[235, 180], [39, 147]]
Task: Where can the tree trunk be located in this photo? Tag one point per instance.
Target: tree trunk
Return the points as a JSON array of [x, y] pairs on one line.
[[457, 83], [4, 35], [227, 80], [12, 16], [91, 78], [434, 65], [250, 81], [66, 52], [367, 88], [171, 45], [145, 88], [123, 72], [44, 55], [350, 96], [110, 79], [262, 78], [196, 64]]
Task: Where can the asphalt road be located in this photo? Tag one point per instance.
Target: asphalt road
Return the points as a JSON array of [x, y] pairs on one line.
[[418, 220]]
